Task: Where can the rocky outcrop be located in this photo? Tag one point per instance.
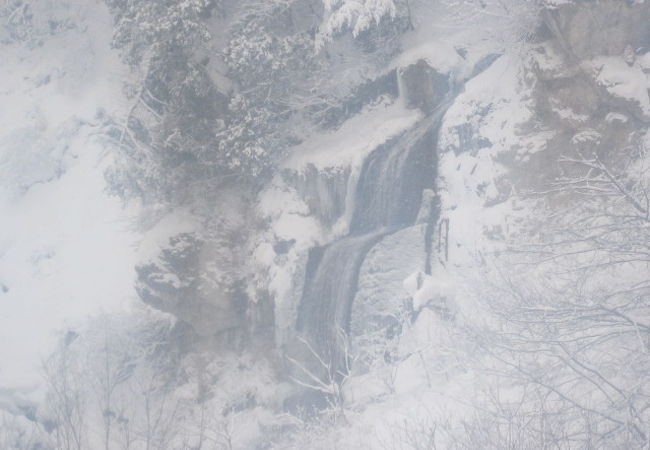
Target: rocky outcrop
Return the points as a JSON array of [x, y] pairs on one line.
[[589, 28], [324, 191], [589, 87], [422, 87], [364, 94]]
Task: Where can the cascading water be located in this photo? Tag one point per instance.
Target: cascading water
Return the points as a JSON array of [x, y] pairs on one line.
[[388, 197], [328, 295], [393, 177]]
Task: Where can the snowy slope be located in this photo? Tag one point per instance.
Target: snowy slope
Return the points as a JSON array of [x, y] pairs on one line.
[[66, 246]]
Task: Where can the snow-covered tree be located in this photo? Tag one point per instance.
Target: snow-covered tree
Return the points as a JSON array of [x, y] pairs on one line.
[[354, 15], [154, 27], [577, 319], [182, 125], [268, 55]]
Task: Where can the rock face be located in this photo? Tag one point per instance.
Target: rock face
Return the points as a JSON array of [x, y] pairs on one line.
[[604, 27], [364, 94], [324, 191], [422, 87], [588, 88]]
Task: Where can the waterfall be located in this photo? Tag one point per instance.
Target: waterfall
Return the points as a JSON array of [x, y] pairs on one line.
[[325, 307], [388, 197], [393, 177]]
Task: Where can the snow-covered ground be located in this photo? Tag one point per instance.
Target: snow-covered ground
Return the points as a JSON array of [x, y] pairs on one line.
[[66, 246], [426, 297], [355, 139]]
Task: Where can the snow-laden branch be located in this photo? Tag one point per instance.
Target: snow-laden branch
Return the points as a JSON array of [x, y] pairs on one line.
[[354, 15]]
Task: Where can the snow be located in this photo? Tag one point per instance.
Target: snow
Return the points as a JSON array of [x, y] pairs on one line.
[[66, 246], [547, 59], [180, 220], [290, 220], [425, 289], [567, 114], [355, 139], [66, 252], [622, 80], [438, 54], [644, 61], [479, 128], [358, 15], [557, 3], [588, 136], [616, 117], [74, 73]]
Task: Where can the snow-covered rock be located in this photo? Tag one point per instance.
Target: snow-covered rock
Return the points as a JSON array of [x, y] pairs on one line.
[[428, 291]]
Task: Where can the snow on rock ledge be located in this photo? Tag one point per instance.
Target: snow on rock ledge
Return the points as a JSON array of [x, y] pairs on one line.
[[428, 291], [623, 81]]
